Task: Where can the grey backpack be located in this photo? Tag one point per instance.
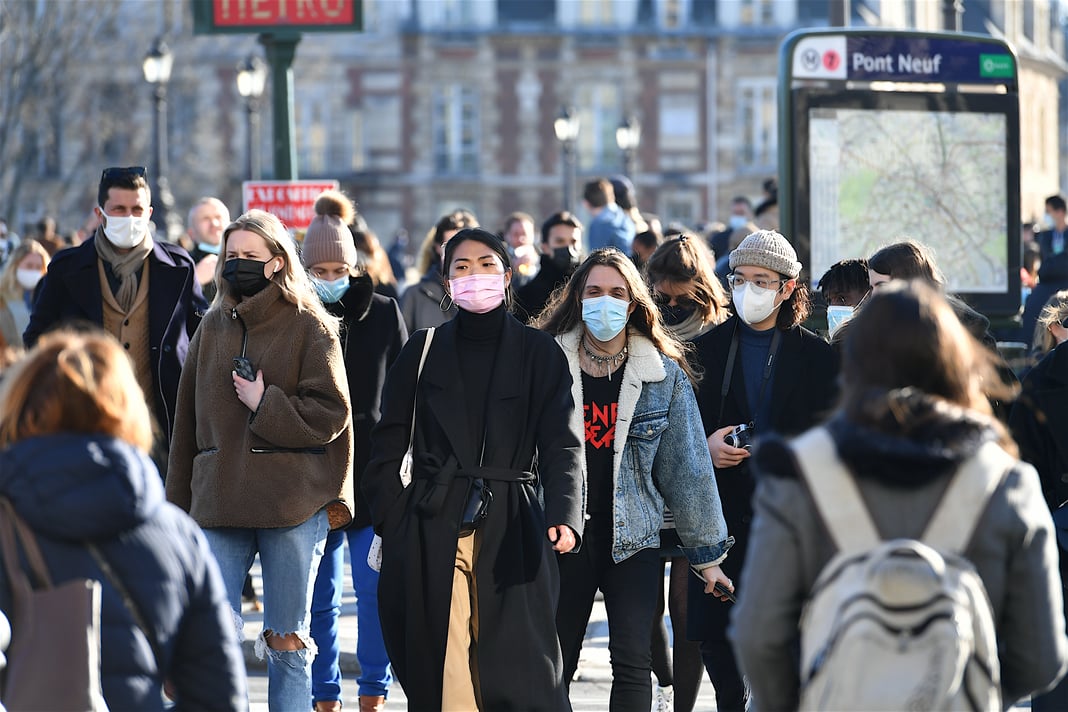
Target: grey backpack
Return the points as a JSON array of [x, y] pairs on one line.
[[899, 624]]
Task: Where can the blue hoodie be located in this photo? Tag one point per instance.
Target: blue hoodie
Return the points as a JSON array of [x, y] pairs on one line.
[[72, 488]]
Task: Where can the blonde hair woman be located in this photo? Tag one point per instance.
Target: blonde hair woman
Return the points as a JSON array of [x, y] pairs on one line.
[[1050, 330], [21, 275], [262, 449], [74, 430]]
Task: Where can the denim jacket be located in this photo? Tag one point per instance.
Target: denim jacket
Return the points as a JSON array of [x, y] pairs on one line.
[[663, 458]]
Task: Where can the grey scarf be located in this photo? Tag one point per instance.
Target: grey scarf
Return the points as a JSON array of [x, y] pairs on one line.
[[691, 328], [125, 266]]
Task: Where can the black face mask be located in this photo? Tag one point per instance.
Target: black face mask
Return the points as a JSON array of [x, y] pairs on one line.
[[246, 276], [675, 315], [565, 259]]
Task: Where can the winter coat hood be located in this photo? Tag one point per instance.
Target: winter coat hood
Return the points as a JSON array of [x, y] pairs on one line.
[[78, 487]]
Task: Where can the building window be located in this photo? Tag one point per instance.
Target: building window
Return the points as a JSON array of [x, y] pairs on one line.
[[757, 129], [376, 133], [756, 12], [599, 116], [526, 11], [456, 129], [596, 12]]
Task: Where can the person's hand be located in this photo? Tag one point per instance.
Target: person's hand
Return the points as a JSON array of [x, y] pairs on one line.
[[562, 537], [713, 574], [249, 392], [723, 455], [205, 269]]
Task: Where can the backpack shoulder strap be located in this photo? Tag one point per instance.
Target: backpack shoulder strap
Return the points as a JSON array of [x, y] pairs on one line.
[[835, 492], [954, 521]]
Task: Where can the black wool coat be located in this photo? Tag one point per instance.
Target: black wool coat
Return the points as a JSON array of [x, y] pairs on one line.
[[803, 390], [1039, 420], [70, 292], [529, 405], [372, 334]]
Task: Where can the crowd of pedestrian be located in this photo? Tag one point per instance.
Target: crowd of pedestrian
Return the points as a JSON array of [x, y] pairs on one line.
[[540, 416]]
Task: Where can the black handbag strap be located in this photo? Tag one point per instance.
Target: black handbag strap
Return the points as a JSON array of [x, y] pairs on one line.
[[728, 373], [128, 601]]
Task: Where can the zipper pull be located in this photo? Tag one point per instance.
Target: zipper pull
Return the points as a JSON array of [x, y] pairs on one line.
[[233, 313]]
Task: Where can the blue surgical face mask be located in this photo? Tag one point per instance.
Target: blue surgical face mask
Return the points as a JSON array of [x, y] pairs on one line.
[[605, 316], [836, 316], [331, 291], [209, 248]]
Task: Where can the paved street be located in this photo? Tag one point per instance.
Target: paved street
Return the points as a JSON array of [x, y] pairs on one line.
[[589, 693]]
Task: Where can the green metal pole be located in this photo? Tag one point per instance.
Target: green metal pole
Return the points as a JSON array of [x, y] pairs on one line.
[[280, 50]]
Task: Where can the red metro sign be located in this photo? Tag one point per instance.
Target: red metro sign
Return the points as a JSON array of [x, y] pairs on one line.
[[217, 16]]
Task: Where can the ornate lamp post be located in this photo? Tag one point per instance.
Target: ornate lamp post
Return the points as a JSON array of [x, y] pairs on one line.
[[566, 127], [251, 79], [157, 66], [628, 136]]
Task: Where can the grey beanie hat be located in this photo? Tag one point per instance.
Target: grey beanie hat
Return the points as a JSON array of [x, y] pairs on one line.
[[769, 249]]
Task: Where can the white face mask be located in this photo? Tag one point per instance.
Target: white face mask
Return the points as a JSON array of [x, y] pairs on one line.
[[754, 304], [28, 278], [836, 316], [125, 232]]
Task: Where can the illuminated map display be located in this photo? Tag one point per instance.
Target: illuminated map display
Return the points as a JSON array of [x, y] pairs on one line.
[[877, 176]]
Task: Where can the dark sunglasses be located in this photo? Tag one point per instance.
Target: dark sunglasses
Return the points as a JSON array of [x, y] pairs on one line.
[[127, 172]]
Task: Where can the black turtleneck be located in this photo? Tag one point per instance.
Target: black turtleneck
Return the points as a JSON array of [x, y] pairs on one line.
[[476, 346]]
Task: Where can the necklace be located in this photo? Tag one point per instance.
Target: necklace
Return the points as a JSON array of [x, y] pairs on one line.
[[606, 363]]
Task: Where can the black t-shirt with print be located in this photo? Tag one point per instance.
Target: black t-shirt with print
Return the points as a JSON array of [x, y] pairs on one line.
[[600, 401]]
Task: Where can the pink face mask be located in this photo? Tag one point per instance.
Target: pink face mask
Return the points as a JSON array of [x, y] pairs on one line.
[[478, 293]]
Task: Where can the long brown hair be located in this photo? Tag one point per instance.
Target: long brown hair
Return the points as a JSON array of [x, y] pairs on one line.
[[74, 382], [686, 262], [563, 313], [930, 352]]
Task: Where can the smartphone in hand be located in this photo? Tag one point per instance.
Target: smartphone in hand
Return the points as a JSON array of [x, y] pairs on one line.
[[244, 368], [720, 590]]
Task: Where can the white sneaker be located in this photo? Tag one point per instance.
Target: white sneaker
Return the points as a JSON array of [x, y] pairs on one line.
[[663, 698]]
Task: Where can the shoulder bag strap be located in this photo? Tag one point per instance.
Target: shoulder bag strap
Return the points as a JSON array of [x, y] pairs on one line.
[[418, 374], [954, 521], [835, 492], [129, 602], [13, 531], [405, 469]]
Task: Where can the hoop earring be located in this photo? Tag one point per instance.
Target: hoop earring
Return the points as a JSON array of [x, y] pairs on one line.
[[441, 304]]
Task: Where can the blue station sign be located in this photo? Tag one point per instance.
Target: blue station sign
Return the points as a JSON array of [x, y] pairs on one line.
[[900, 57]]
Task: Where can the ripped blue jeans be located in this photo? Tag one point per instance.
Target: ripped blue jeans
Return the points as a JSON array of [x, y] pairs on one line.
[[289, 559]]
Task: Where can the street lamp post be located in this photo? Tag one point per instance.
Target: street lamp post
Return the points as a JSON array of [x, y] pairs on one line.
[[157, 68], [251, 78], [566, 127], [628, 136]]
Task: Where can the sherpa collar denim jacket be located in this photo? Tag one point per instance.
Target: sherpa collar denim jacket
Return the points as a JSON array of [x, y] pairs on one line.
[[662, 458]]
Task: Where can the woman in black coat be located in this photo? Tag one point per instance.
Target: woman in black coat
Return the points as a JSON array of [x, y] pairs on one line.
[[790, 385], [492, 405]]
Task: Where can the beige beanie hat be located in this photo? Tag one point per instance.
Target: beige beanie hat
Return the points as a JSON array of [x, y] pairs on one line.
[[327, 238], [768, 249]]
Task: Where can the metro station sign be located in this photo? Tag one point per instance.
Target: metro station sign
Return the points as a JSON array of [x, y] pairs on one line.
[[252, 16]]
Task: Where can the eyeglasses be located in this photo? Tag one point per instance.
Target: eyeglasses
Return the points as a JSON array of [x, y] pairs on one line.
[[114, 173], [736, 281]]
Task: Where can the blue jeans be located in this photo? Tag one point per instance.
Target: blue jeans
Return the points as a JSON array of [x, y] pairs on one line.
[[375, 672], [289, 558]]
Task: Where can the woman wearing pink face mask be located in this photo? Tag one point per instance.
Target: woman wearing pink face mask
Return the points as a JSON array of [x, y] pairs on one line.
[[469, 581]]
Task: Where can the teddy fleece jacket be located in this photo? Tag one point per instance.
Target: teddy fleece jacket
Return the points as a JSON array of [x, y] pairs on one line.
[[230, 467]]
